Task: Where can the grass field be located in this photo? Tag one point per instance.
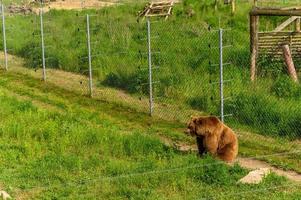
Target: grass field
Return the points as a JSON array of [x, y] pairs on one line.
[[184, 77], [56, 144]]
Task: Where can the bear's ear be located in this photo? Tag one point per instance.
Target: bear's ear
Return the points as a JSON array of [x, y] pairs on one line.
[[214, 120], [195, 120], [198, 121]]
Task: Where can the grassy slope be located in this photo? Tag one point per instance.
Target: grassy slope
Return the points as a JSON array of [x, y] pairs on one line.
[[184, 77], [276, 150], [258, 111], [56, 144]]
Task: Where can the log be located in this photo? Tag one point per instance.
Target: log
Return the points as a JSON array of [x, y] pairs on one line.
[[289, 63], [274, 12], [254, 20]]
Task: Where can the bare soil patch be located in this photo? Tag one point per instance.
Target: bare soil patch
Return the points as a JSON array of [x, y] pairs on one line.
[[77, 4]]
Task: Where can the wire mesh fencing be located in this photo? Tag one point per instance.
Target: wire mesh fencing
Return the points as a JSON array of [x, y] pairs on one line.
[[169, 69]]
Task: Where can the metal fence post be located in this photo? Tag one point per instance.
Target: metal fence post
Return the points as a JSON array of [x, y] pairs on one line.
[[151, 106], [221, 74], [42, 41], [4, 37], [89, 57]]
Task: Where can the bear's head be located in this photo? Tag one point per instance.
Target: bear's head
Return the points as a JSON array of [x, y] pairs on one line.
[[201, 126]]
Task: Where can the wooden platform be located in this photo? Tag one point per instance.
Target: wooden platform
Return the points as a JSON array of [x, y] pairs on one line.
[[157, 9]]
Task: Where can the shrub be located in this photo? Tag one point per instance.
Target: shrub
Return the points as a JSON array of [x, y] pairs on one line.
[[137, 82], [265, 68], [266, 115], [134, 82], [284, 87], [33, 57], [199, 103]]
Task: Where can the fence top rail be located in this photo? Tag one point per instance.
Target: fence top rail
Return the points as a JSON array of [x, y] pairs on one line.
[[295, 11]]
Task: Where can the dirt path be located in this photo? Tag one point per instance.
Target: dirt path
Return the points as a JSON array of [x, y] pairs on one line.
[[252, 164], [248, 163]]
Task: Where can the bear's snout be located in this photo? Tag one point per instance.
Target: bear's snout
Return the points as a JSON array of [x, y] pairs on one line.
[[188, 132]]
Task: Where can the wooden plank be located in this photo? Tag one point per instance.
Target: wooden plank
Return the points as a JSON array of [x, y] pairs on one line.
[[157, 15], [276, 48], [273, 40], [278, 45], [169, 11], [148, 10], [278, 33], [161, 7], [278, 51], [294, 53], [285, 24], [298, 25], [279, 36], [279, 42]]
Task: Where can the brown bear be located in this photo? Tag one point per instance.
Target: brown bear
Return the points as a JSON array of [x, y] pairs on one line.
[[218, 139]]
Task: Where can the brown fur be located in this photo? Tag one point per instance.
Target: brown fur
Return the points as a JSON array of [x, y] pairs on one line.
[[218, 139]]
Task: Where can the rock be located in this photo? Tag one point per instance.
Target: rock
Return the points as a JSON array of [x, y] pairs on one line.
[[4, 195], [256, 176]]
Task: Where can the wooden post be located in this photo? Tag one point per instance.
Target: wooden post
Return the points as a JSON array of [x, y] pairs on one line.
[[297, 25], [215, 4], [289, 63], [233, 6], [255, 2], [254, 20]]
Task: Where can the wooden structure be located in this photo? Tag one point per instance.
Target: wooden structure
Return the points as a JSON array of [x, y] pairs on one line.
[[271, 43], [157, 9]]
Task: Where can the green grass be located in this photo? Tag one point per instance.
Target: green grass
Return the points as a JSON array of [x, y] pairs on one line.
[[184, 77], [55, 144], [64, 146]]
